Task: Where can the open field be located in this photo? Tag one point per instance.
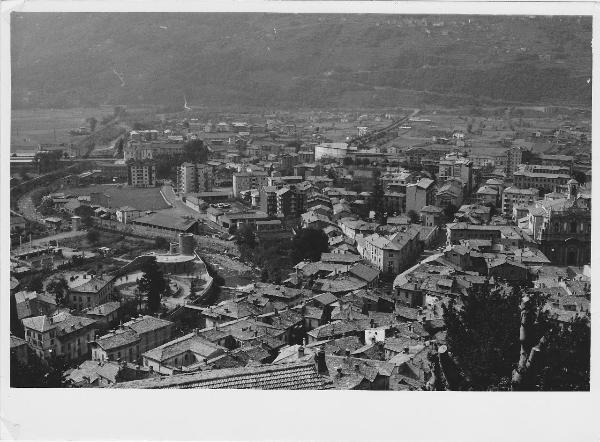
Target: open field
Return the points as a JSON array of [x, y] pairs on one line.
[[119, 196], [33, 126]]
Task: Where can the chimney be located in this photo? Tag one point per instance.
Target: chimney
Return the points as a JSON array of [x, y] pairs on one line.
[[300, 352], [321, 365], [339, 372], [372, 323], [405, 350], [348, 352], [356, 367], [151, 368]]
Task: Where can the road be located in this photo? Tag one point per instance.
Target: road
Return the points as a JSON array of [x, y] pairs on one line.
[[44, 241], [27, 208], [173, 200]]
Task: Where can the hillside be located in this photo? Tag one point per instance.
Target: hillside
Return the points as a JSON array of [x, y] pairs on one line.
[[77, 59]]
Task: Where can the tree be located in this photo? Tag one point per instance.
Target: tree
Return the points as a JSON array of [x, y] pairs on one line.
[[579, 176], [449, 211], [16, 327], [492, 207], [119, 146], [92, 121], [86, 213], [308, 244], [161, 243], [46, 206], [93, 236], [377, 202], [195, 151], [413, 216], [245, 239], [264, 275], [152, 284], [36, 284], [59, 287], [503, 339], [347, 161], [217, 278], [481, 335]]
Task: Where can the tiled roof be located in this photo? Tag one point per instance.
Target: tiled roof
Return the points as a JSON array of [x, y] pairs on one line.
[[198, 345], [146, 324], [104, 309], [94, 285], [340, 258], [364, 272], [118, 339], [15, 341], [165, 219], [325, 298], [296, 376]]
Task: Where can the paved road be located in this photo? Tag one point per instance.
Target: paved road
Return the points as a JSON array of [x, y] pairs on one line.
[[44, 241], [27, 208], [176, 202]]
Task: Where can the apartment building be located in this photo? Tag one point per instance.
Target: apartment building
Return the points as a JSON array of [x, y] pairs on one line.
[[248, 180], [194, 177], [512, 196], [141, 174]]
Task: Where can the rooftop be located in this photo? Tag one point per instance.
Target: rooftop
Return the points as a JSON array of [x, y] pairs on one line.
[[295, 376]]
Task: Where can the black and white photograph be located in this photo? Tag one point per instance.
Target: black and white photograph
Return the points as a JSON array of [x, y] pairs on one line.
[[277, 200]]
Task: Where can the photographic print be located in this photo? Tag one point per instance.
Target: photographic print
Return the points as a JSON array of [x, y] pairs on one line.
[[300, 201]]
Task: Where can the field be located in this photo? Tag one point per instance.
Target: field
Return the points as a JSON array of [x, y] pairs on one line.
[[29, 127], [119, 196]]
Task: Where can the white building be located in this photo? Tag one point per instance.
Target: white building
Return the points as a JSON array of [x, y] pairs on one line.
[[512, 196], [333, 150]]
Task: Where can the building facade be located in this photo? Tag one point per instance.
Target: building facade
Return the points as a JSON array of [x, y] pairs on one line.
[[194, 177], [141, 174]]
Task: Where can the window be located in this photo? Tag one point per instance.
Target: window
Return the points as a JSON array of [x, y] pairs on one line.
[[573, 227]]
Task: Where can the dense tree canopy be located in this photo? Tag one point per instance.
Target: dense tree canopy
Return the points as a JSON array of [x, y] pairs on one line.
[[195, 151], [308, 244], [60, 289], [152, 284], [483, 337]]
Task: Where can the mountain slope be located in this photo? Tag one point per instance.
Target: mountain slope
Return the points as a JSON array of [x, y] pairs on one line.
[[67, 59]]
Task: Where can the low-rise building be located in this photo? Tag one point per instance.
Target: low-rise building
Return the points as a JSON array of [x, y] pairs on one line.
[[61, 334], [131, 339], [186, 353]]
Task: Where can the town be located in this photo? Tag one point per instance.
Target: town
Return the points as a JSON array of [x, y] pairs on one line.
[[303, 250]]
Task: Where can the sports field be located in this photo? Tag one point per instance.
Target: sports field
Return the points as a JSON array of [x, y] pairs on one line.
[[118, 195]]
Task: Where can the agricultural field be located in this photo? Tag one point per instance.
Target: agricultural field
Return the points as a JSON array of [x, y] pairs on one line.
[[30, 127], [118, 195]]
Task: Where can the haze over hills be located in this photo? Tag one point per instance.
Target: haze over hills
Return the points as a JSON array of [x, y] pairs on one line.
[[273, 60]]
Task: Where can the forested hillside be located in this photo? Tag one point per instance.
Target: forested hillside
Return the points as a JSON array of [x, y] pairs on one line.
[[73, 59]]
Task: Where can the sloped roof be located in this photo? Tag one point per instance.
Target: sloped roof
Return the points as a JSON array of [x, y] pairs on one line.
[[295, 376], [118, 339], [147, 323], [190, 342], [163, 219]]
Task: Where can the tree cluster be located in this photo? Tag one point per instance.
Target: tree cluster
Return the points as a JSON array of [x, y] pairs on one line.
[[501, 338], [152, 284], [309, 244]]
